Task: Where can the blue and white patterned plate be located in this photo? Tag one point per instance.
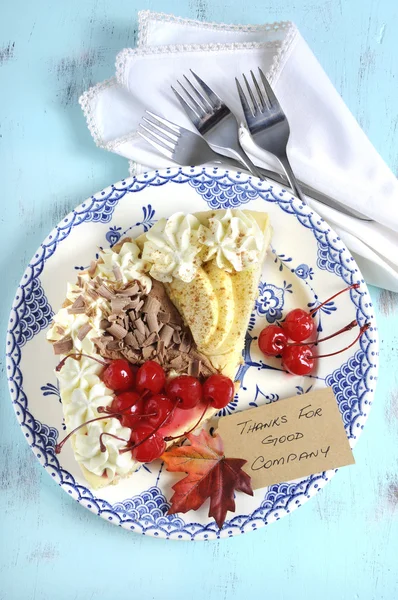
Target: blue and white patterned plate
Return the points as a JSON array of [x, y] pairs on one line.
[[308, 263]]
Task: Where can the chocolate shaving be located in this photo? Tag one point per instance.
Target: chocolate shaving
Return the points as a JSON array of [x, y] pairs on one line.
[[185, 342], [139, 323], [80, 281], [147, 352], [131, 356], [165, 334], [63, 346], [194, 368], [140, 337], [117, 273], [92, 293], [177, 363], [150, 339], [117, 330], [151, 304], [129, 291], [92, 268], [78, 307], [160, 349], [134, 302], [113, 344], [83, 331], [105, 292], [118, 304], [130, 340], [104, 324], [152, 322], [60, 330]]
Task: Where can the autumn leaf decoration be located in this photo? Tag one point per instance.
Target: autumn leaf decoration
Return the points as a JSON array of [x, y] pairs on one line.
[[209, 475]]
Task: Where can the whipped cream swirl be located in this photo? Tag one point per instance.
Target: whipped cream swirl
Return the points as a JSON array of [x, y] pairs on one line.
[[88, 450], [173, 248], [132, 268], [234, 240]]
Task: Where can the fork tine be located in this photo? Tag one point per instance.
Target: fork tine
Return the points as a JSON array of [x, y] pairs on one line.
[[166, 131], [202, 99], [192, 114], [175, 128], [271, 96], [252, 98], [160, 147], [258, 90], [243, 100], [166, 142], [212, 96], [194, 103]]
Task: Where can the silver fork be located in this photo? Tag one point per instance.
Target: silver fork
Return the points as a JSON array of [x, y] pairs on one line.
[[268, 124], [187, 148], [217, 124], [177, 143], [214, 121]]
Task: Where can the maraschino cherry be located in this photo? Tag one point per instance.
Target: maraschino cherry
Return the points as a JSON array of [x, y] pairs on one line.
[[185, 390], [218, 390], [272, 340], [150, 376], [119, 375], [147, 445], [299, 324], [299, 359]]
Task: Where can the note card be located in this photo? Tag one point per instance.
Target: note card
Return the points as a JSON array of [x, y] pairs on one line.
[[288, 439]]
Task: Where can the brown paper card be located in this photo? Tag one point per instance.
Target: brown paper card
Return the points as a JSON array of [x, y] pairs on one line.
[[288, 439]]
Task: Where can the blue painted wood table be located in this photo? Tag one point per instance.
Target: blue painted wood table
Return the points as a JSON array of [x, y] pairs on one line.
[[341, 545]]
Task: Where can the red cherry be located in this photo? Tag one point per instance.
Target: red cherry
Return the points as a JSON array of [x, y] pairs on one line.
[[159, 407], [119, 376], [218, 390], [131, 405], [151, 449], [299, 325], [185, 390], [298, 360], [272, 340], [150, 376]]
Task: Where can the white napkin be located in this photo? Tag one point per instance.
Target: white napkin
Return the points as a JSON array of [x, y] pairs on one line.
[[328, 149]]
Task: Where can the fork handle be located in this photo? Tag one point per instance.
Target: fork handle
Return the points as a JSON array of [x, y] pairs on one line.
[[292, 178], [244, 160]]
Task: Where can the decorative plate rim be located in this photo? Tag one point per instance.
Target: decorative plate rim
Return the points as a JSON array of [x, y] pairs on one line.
[[100, 207]]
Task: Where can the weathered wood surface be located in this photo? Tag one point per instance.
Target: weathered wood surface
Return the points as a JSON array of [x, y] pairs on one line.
[[341, 545]]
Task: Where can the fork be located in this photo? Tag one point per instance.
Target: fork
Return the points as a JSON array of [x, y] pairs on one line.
[[219, 126], [187, 148], [214, 120], [268, 124]]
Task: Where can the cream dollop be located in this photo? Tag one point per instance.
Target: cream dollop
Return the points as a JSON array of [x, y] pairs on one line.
[[88, 450], [84, 402], [234, 240], [132, 268], [173, 248]]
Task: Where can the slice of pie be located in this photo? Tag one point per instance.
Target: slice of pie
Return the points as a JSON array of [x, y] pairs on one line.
[[181, 295]]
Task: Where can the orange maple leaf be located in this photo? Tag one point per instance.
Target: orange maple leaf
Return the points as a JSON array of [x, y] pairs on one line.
[[209, 475]]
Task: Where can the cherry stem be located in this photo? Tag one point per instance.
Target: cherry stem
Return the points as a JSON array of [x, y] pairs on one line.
[[59, 446], [361, 331], [167, 417], [78, 357], [102, 445], [354, 286], [171, 438], [329, 337]]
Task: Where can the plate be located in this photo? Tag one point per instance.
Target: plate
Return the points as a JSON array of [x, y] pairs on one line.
[[307, 264]]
